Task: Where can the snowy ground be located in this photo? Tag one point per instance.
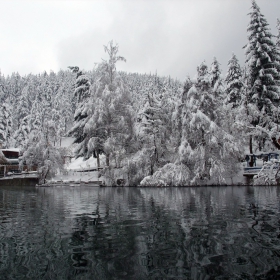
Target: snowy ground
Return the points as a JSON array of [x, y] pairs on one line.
[[77, 177], [75, 172], [73, 169], [81, 164]]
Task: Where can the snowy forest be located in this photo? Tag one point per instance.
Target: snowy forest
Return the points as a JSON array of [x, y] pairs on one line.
[[150, 130]]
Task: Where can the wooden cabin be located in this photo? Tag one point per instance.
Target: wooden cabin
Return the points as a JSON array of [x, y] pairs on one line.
[[9, 162]]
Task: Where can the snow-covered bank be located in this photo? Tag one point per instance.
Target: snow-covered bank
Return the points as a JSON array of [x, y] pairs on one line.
[[75, 176], [76, 170], [80, 164], [79, 171]]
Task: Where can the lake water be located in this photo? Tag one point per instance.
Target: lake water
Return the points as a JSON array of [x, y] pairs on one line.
[[140, 233]]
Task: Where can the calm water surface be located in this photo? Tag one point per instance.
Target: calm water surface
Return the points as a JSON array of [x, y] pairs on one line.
[[133, 233]]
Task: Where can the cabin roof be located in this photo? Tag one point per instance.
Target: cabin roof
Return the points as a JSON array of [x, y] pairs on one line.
[[10, 153], [11, 150]]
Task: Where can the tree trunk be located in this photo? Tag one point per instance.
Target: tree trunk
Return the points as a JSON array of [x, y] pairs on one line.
[[251, 144], [45, 176], [251, 163], [97, 159], [107, 159], [152, 169], [202, 137]]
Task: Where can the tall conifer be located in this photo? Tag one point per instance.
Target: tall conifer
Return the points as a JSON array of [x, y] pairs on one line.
[[82, 93], [233, 81], [262, 61]]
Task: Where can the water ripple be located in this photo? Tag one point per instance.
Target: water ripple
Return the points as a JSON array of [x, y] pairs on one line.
[[128, 233]]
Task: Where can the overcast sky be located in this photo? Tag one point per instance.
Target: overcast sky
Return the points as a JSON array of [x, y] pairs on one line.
[[171, 37]]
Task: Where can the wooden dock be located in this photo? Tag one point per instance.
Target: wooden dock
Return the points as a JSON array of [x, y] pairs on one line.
[[19, 181]]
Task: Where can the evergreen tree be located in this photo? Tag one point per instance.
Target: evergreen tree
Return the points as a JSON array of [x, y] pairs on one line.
[[23, 105], [5, 125], [203, 77], [262, 61], [278, 34], [215, 74], [233, 82], [62, 104], [22, 133], [4, 92], [176, 115], [64, 100], [152, 128], [82, 93], [263, 80], [36, 115], [203, 85], [14, 86]]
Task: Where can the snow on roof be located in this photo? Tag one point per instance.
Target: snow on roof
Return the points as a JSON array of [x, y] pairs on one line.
[[11, 150]]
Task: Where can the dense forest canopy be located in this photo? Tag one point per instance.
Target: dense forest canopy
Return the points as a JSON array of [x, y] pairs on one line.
[[152, 130]]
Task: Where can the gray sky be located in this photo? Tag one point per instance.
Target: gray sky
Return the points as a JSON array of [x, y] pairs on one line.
[[171, 37]]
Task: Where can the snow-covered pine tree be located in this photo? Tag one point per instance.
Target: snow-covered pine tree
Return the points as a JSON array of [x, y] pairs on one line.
[[215, 75], [6, 113], [206, 148], [62, 114], [5, 125], [233, 81], [151, 120], [36, 115], [22, 133], [203, 79], [262, 61], [82, 94], [203, 85], [82, 85], [14, 86], [4, 93], [263, 72], [62, 101], [61, 106], [47, 88], [245, 113], [278, 34], [177, 113], [23, 105]]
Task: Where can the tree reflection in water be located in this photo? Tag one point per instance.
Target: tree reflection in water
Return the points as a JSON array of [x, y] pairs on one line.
[[139, 233]]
